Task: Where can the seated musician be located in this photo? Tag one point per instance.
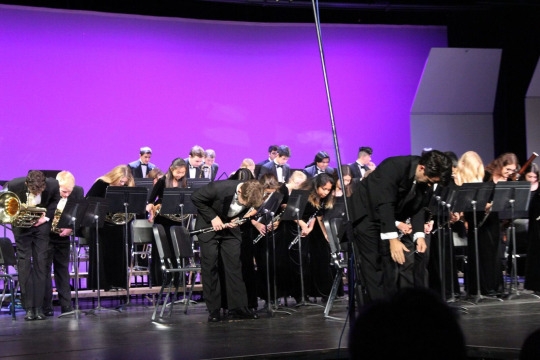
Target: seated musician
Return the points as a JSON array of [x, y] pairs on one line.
[[175, 178], [141, 167], [278, 166], [319, 165], [194, 161]]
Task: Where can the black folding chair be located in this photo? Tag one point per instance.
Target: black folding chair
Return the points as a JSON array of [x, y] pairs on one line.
[[183, 250], [7, 259]]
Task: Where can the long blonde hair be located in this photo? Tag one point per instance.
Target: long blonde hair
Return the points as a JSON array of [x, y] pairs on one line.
[[117, 173], [470, 169]]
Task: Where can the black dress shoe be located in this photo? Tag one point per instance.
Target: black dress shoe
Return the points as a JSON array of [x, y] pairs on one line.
[[243, 313], [214, 316], [30, 315], [40, 315], [65, 309], [48, 312]]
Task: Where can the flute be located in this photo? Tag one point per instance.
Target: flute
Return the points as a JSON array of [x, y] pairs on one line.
[[210, 228]]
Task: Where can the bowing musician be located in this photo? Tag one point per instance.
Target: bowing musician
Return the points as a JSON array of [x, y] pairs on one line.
[[218, 205], [59, 248]]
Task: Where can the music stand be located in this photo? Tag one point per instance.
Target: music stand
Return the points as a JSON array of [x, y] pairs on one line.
[[510, 198], [268, 210], [470, 197], [294, 211], [73, 210], [147, 183], [196, 183], [130, 200], [95, 217], [178, 201]]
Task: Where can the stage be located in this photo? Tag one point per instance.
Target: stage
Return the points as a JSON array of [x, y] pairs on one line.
[[493, 330]]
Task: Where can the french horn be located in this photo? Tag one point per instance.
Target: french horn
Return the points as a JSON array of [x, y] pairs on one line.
[[17, 214]]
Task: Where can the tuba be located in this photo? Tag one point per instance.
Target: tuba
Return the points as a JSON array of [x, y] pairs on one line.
[[17, 214]]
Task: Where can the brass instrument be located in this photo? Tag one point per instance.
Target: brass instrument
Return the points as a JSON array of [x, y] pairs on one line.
[[172, 217], [54, 222], [17, 214], [204, 170], [118, 218]]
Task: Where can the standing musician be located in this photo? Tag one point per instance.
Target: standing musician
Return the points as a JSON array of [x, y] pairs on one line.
[[32, 243], [394, 192], [59, 248], [316, 257], [113, 264], [140, 168], [489, 234], [278, 166], [319, 165], [194, 161], [175, 178], [363, 163], [220, 204], [210, 167]]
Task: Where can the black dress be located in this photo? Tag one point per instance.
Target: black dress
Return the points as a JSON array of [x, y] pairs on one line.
[[112, 255], [532, 265]]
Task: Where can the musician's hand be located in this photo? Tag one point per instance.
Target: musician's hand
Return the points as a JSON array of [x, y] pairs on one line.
[[261, 228], [41, 221], [404, 228], [65, 232], [454, 217], [275, 225], [421, 245], [397, 251], [217, 224], [428, 227], [232, 224], [306, 230]]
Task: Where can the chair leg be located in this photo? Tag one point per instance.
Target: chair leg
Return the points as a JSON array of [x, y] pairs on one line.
[[333, 292]]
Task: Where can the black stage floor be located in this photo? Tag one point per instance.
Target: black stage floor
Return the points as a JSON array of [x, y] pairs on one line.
[[493, 330]]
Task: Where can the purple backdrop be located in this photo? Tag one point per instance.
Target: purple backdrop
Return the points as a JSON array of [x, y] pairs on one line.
[[83, 91]]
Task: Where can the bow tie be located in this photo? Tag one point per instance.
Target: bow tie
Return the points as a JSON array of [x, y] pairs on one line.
[[365, 167], [279, 166], [191, 167], [144, 164]]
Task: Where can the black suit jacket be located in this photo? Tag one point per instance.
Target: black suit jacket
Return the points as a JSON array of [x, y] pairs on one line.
[[214, 170], [311, 171], [136, 170], [214, 200], [49, 199], [198, 171], [270, 167], [387, 195]]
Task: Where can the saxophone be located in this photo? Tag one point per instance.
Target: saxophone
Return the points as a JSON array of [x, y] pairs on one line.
[[54, 222]]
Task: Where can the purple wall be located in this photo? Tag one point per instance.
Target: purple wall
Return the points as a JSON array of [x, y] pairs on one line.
[[83, 91]]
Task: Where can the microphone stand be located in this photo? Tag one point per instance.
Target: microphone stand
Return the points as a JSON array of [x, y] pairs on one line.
[[126, 249]]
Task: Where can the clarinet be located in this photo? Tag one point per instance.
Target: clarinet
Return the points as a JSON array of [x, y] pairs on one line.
[[297, 238], [260, 236]]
